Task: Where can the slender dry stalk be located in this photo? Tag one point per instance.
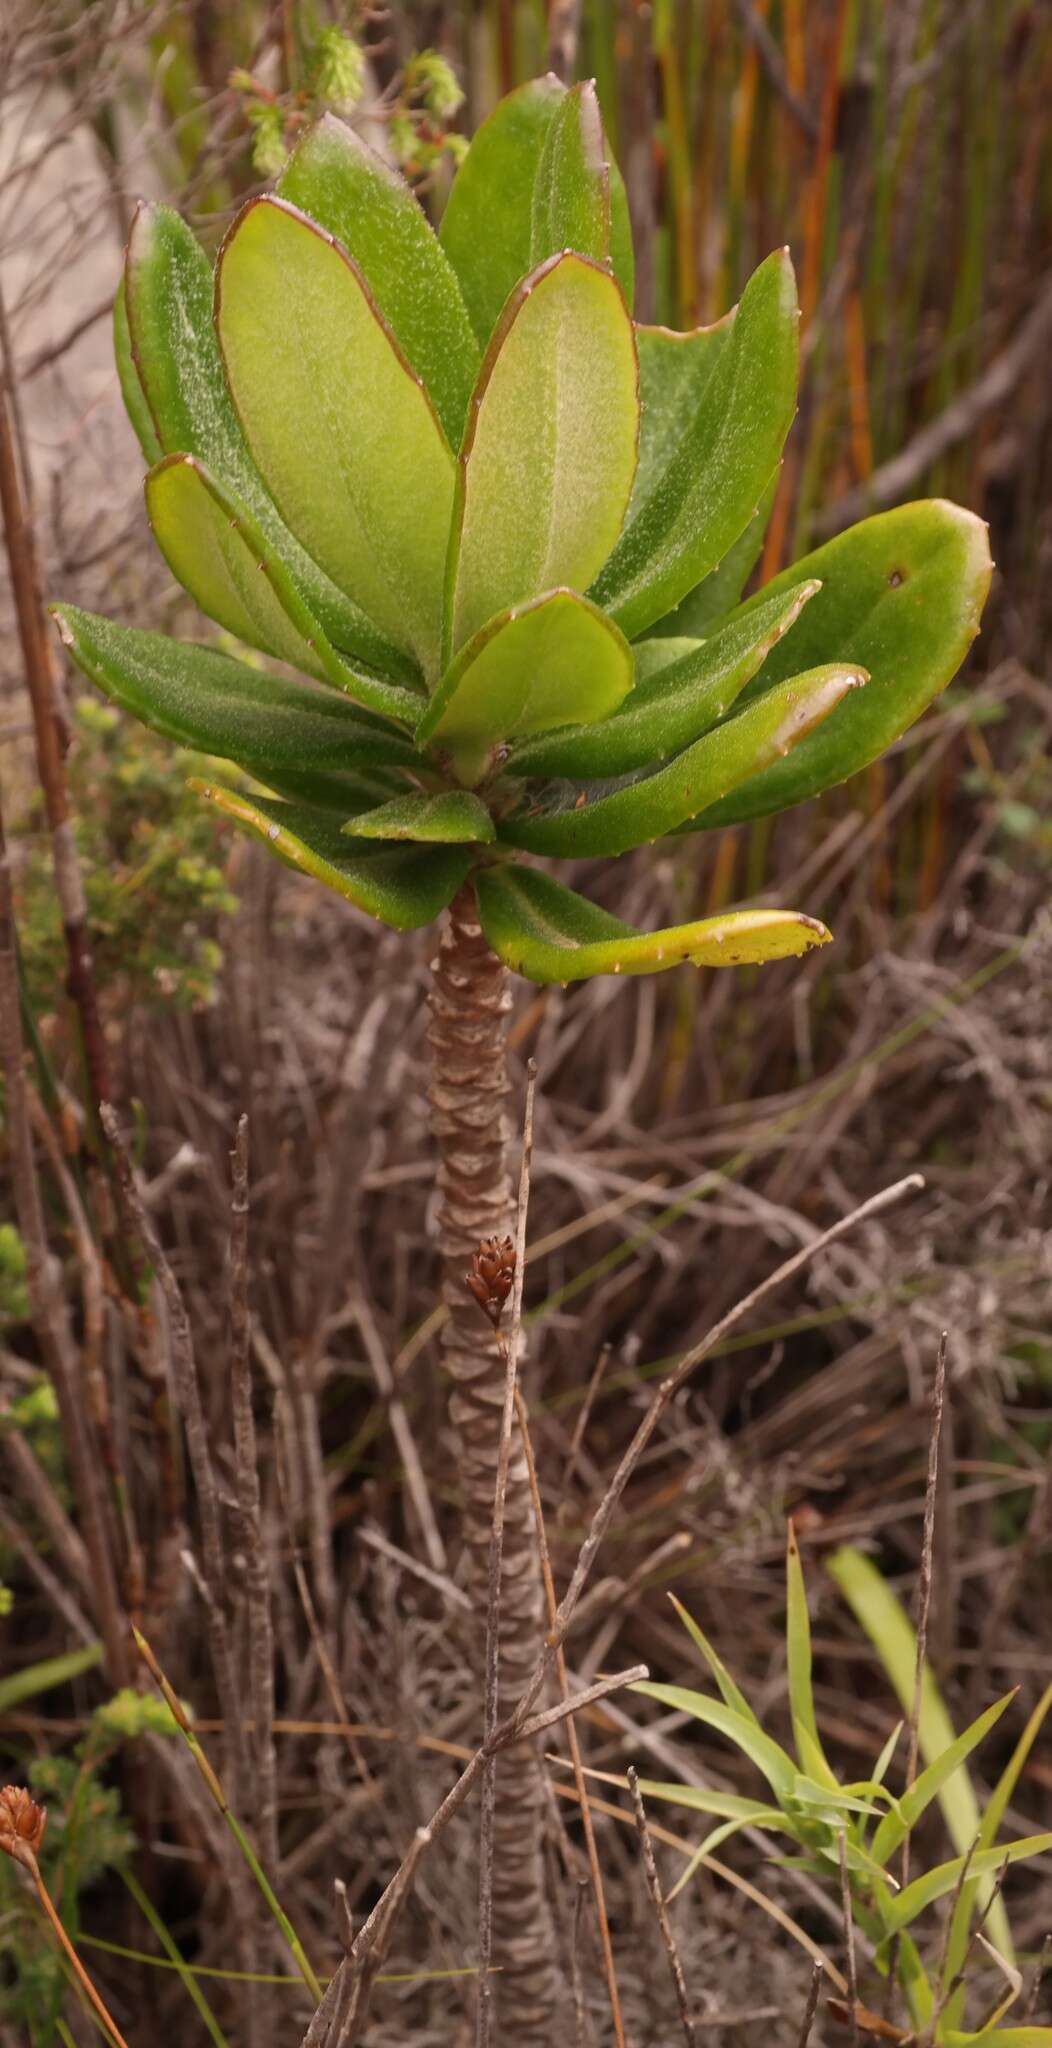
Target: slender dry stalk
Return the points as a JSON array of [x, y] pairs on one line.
[[47, 1302], [657, 1900], [924, 1582], [401, 1430], [576, 1973], [1034, 1992], [263, 1776], [811, 2007], [573, 1742], [188, 1394], [849, 1941], [36, 643]]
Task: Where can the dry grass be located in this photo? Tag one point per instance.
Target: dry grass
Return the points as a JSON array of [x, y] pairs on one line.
[[690, 1134]]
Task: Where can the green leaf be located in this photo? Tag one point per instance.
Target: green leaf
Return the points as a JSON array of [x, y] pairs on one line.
[[934, 1884], [761, 1750], [169, 302], [993, 1815], [211, 542], [577, 819], [128, 376], [550, 448], [403, 886], [673, 372], [891, 1632], [571, 192], [34, 1679], [329, 789], [896, 1825], [715, 482], [454, 817], [674, 700], [698, 1798], [487, 227], [530, 668], [717, 594], [335, 177], [902, 593], [208, 701], [1000, 2037], [548, 933], [729, 1689], [344, 434], [798, 1652]]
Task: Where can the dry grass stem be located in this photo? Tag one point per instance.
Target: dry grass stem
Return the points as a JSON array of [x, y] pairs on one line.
[[657, 1900]]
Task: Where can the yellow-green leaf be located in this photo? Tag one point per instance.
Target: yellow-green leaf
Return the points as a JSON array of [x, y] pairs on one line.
[[550, 448], [345, 436], [548, 933], [539, 665]]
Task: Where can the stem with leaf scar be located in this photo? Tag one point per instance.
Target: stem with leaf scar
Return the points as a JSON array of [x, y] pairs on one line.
[[469, 1085]]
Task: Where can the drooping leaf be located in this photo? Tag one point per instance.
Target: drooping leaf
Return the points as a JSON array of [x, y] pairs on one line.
[[714, 484], [674, 701], [571, 191], [761, 1749], [345, 436], [32, 1679], [989, 1829], [208, 701], [896, 1825], [673, 372], [403, 886], [453, 817], [211, 542], [550, 448], [336, 178], [934, 1884], [902, 593], [128, 376], [572, 819], [548, 933], [487, 227], [891, 1632], [709, 602], [168, 289], [529, 668]]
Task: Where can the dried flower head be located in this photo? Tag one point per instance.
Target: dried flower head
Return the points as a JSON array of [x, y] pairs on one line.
[[492, 1276], [21, 1822]]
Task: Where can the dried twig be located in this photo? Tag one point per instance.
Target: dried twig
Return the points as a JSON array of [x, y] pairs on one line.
[[771, 58], [657, 1897], [263, 1777], [47, 1301], [811, 2007], [849, 1941], [1034, 1992], [188, 1394], [924, 1582], [572, 1739]]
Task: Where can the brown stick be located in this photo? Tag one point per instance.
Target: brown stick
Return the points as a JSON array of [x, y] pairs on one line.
[[811, 2007], [50, 1314], [657, 1897], [263, 1777], [573, 1744], [36, 643], [188, 1395]]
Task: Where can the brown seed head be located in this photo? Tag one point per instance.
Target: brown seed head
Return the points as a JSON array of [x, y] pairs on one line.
[[21, 1821], [492, 1276]]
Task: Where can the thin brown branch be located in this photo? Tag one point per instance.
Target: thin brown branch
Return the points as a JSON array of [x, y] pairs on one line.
[[924, 1582], [573, 1743], [47, 1301], [188, 1395], [263, 1777], [771, 58], [811, 2007], [657, 1899], [849, 1941]]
